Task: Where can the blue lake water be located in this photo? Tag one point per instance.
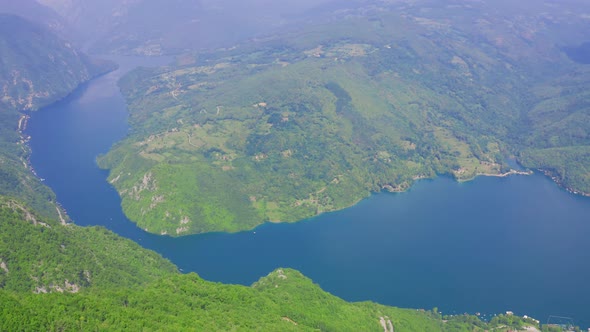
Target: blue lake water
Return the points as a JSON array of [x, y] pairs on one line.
[[519, 243], [579, 54]]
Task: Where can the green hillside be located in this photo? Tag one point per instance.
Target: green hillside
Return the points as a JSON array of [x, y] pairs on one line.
[[314, 121], [56, 277], [558, 130], [40, 255]]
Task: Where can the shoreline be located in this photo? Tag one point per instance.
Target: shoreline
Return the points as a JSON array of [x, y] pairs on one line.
[[498, 175], [509, 173], [560, 183], [387, 189], [384, 189], [545, 172]]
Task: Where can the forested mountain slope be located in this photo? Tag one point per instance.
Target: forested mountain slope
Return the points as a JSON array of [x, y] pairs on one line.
[[38, 67], [313, 121], [33, 11], [41, 255], [56, 277]]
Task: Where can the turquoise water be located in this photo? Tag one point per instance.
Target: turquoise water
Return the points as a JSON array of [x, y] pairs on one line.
[[519, 243]]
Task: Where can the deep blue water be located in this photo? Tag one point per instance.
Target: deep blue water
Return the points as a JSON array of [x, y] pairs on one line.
[[579, 54], [493, 244]]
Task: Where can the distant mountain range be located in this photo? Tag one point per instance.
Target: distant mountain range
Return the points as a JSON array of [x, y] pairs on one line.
[[37, 13], [38, 67], [152, 27]]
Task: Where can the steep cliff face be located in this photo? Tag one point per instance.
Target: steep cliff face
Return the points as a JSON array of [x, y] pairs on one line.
[[37, 67]]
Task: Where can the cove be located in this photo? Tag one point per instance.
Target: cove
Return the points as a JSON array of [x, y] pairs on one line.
[[518, 243]]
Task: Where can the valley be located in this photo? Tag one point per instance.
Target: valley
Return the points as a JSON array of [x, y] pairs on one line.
[[410, 153]]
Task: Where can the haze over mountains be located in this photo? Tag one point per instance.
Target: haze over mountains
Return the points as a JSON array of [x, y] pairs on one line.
[[153, 27], [296, 107]]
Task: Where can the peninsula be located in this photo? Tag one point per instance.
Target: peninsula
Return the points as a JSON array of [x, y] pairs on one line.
[[311, 121]]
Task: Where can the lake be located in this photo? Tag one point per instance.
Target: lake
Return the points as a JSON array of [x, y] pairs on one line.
[[518, 243], [579, 54]]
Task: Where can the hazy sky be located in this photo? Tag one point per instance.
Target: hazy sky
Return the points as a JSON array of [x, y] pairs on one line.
[[104, 22], [110, 25]]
